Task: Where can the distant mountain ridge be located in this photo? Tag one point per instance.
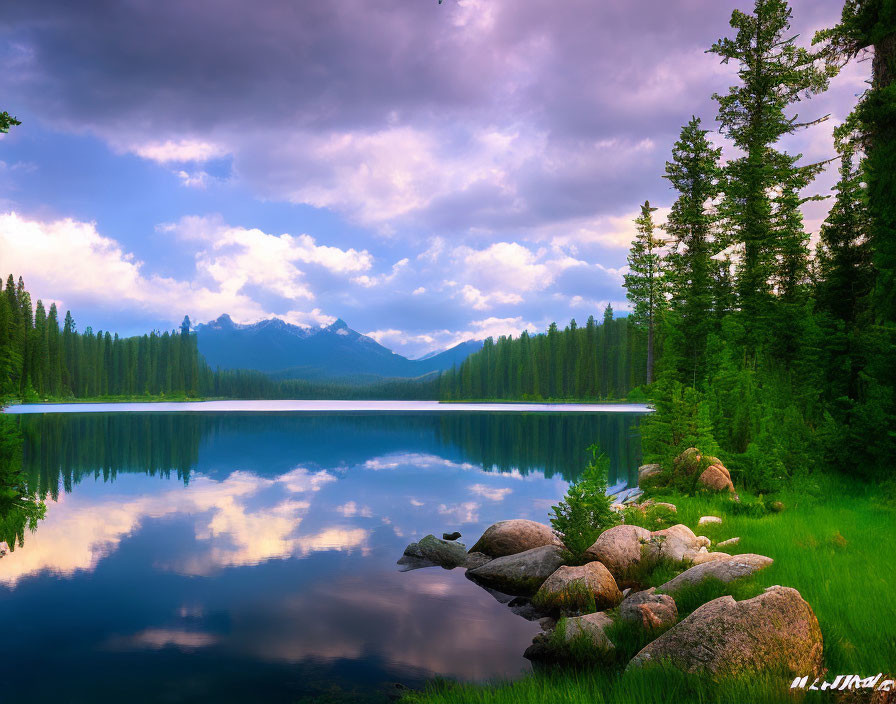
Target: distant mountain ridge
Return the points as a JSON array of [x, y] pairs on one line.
[[288, 351]]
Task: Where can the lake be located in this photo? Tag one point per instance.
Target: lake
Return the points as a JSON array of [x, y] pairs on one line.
[[233, 555]]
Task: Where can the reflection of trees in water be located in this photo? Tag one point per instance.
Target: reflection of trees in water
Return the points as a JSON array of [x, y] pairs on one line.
[[548, 444], [19, 510], [62, 449]]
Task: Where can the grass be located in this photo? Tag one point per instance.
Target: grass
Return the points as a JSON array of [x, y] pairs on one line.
[[834, 542]]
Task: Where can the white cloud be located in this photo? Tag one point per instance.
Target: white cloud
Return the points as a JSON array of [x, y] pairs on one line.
[[466, 512], [177, 150], [492, 493]]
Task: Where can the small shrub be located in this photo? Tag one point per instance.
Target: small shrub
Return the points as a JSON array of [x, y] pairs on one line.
[[652, 517], [585, 512], [755, 508]]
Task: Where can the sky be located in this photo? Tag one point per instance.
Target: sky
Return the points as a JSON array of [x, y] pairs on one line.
[[428, 173]]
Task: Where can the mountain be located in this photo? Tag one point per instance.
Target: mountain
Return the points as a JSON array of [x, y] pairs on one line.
[[288, 351]]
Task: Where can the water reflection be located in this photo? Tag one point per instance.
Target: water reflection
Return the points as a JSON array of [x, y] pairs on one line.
[[261, 551]]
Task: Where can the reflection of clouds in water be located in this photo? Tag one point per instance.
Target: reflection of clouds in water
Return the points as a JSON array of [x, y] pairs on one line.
[[300, 480], [77, 533], [158, 638], [351, 509], [424, 620], [415, 459], [466, 512], [493, 493]]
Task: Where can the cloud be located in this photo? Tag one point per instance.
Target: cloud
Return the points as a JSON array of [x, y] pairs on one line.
[[491, 493], [465, 512], [181, 150]]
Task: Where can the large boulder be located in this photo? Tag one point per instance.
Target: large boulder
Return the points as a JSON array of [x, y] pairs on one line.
[[716, 478], [619, 549], [774, 632], [520, 574], [673, 543], [559, 590], [547, 646], [514, 536], [724, 570], [649, 610]]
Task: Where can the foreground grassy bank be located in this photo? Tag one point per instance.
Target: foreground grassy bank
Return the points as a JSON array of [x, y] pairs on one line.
[[834, 542]]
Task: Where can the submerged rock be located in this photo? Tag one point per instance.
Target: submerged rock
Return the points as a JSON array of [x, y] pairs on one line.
[[725, 570], [431, 551], [521, 573], [776, 631], [649, 610], [619, 550], [514, 536], [559, 589]]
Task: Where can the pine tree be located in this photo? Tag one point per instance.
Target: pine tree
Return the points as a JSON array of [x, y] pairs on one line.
[[774, 73], [694, 172], [645, 283]]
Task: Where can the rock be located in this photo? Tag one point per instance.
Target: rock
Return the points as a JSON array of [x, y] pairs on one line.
[[776, 632], [521, 573], [594, 626], [451, 536], [476, 559], [649, 610], [442, 552], [714, 479], [619, 549], [673, 543], [725, 570], [703, 541], [776, 506], [4, 548], [619, 508], [632, 497], [730, 541], [698, 558], [514, 536], [669, 506], [648, 470], [593, 576], [704, 520]]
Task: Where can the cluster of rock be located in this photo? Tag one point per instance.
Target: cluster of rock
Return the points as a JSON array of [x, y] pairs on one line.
[[525, 561], [707, 471]]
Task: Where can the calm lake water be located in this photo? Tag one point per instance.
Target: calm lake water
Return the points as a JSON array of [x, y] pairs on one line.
[[234, 556]]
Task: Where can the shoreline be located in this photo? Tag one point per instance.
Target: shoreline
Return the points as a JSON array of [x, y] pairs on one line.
[[318, 406]]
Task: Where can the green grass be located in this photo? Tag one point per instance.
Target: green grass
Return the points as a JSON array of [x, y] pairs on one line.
[[834, 542]]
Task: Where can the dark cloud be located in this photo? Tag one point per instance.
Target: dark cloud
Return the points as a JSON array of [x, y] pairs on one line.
[[278, 83]]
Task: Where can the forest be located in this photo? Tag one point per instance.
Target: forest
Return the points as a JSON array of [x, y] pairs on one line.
[[599, 361], [758, 344]]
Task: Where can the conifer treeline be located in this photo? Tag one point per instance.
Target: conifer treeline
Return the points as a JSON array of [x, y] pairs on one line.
[[602, 360], [39, 358]]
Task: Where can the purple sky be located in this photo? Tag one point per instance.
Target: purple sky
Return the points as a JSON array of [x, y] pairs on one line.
[[427, 172]]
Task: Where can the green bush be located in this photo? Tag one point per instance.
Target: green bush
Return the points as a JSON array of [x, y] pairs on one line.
[[585, 512], [653, 517]]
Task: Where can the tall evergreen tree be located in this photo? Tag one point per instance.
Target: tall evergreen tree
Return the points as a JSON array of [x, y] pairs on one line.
[[694, 173], [644, 283], [774, 74]]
